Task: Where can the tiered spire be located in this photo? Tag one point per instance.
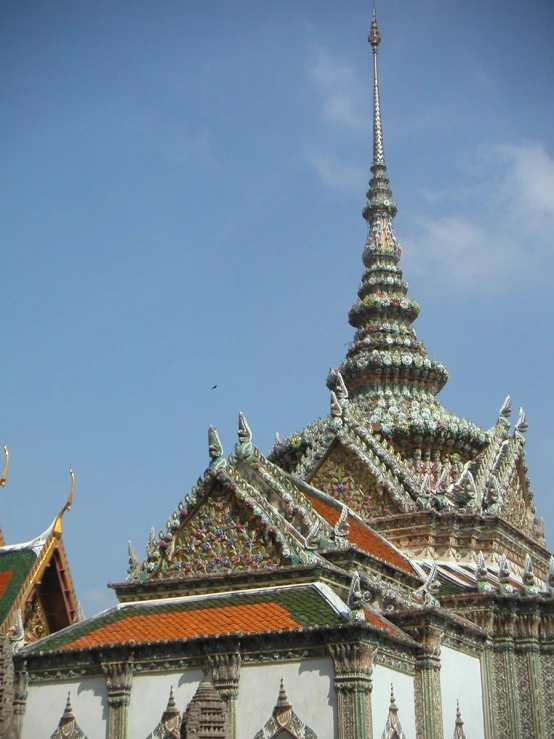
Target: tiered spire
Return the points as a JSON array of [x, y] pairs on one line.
[[387, 371], [393, 730], [458, 725]]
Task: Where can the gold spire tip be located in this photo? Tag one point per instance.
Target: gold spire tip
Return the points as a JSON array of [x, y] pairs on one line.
[[6, 465], [374, 37]]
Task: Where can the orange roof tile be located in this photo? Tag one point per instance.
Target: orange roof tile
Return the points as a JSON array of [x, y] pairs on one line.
[[363, 536], [164, 626]]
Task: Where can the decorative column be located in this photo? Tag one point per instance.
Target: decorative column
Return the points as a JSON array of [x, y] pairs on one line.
[[119, 676], [428, 696], [353, 662], [529, 676], [547, 667], [490, 708], [226, 675], [20, 697], [505, 679]]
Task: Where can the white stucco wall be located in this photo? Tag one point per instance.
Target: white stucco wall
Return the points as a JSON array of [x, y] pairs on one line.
[[403, 686], [461, 680], [46, 703], [149, 694], [309, 686]]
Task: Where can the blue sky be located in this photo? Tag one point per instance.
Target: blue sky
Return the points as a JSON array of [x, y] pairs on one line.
[[181, 197]]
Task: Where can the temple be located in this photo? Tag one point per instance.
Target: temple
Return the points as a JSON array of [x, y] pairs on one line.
[[381, 574]]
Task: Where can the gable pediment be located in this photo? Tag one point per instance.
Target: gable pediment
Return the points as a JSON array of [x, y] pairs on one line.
[[220, 534], [359, 484]]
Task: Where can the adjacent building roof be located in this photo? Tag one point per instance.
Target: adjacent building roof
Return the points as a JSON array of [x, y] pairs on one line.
[[289, 608]]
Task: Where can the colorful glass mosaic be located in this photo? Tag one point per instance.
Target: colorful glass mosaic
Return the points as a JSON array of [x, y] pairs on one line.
[[347, 479], [220, 537]]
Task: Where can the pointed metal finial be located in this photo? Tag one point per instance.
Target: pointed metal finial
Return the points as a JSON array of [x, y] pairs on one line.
[[374, 39], [6, 465]]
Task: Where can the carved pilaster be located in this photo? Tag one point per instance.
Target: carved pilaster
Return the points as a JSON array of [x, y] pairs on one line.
[[119, 676], [427, 685], [20, 697], [353, 669], [529, 673], [226, 675], [490, 708], [547, 667], [505, 673]]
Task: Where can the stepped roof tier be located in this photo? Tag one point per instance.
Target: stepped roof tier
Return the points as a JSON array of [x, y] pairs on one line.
[[391, 381], [388, 446], [246, 522]]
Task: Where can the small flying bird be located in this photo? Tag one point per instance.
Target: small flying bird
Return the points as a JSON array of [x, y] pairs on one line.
[[214, 387]]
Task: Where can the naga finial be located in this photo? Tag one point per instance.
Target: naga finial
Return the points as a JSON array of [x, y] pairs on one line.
[[528, 577], [482, 574], [355, 598], [244, 447], [17, 633], [506, 408], [504, 576], [6, 465], [67, 506], [521, 424], [425, 595], [215, 449], [134, 563]]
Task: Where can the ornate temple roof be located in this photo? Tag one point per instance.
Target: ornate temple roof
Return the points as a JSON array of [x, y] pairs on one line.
[[37, 596], [245, 515], [266, 610], [388, 447]]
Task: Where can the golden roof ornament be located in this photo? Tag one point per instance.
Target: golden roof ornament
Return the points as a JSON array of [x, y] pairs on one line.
[[57, 529], [6, 465]]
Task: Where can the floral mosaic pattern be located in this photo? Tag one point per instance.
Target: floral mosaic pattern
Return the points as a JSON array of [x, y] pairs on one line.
[[347, 479], [220, 537], [514, 509]]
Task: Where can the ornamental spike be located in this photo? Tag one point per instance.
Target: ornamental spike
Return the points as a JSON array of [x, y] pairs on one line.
[[521, 424], [68, 711], [374, 39], [459, 724], [506, 408]]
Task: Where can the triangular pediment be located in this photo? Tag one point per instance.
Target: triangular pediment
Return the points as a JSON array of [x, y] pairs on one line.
[[221, 533], [355, 476], [516, 507]]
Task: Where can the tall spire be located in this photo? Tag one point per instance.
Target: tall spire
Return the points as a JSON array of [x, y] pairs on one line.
[[389, 377], [374, 39]]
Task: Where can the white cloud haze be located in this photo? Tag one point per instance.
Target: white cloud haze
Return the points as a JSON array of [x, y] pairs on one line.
[[341, 91], [504, 222]]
